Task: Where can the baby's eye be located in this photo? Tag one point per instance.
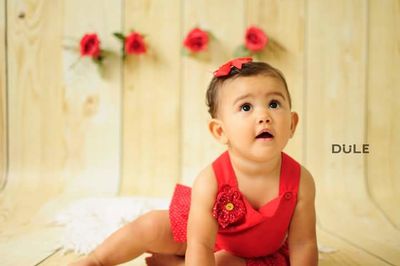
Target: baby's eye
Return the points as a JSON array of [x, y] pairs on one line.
[[245, 107], [274, 104]]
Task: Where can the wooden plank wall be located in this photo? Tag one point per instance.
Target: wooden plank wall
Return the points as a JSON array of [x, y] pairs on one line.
[[383, 107], [3, 101], [140, 126], [198, 146], [92, 100], [341, 48], [63, 122], [151, 97], [34, 105]]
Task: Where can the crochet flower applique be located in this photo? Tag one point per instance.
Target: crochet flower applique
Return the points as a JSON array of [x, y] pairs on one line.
[[229, 207]]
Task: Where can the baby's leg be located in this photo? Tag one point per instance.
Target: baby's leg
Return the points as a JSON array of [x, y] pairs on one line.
[[222, 258], [148, 233]]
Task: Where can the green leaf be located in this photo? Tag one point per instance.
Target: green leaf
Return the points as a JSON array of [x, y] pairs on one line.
[[123, 53], [107, 52], [241, 51], [119, 35], [98, 60]]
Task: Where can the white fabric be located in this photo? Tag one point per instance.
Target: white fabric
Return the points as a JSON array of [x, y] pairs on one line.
[[89, 221]]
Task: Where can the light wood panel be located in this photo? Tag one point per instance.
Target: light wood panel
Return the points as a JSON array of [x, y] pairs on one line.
[[336, 113], [151, 100], [383, 129], [58, 148], [344, 253], [283, 22], [225, 21], [3, 96], [92, 104], [59, 258], [34, 107], [22, 248], [336, 35]]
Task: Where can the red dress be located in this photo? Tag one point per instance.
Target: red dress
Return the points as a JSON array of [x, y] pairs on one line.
[[260, 235]]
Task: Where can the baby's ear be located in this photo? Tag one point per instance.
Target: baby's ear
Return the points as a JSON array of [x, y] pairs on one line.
[[294, 122], [217, 130]]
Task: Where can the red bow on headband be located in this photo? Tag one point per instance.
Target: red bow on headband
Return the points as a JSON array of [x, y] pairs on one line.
[[225, 69]]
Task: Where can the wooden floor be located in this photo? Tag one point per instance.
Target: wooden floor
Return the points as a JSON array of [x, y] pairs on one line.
[[347, 254], [353, 235], [341, 252]]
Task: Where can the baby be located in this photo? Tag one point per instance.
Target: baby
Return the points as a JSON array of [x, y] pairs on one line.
[[254, 205]]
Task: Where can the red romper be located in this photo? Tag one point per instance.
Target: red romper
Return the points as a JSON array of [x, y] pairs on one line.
[[259, 236]]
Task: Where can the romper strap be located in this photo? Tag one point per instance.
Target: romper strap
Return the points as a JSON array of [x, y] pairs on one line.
[[223, 171], [290, 174]]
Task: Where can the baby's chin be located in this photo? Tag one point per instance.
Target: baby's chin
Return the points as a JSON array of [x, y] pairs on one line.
[[261, 155], [266, 156]]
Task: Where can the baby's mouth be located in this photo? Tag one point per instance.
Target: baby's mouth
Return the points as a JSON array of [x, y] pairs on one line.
[[264, 135]]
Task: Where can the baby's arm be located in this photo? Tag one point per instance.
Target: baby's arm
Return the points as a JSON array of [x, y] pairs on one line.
[[302, 232], [202, 227]]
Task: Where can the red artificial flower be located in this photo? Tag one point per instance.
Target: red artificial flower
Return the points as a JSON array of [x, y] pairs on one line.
[[255, 39], [229, 207], [225, 69], [196, 40], [90, 45], [134, 44]]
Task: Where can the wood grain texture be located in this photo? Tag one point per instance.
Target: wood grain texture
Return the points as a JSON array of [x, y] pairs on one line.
[[336, 113], [283, 22], [92, 103], [151, 100], [344, 253], [199, 148], [23, 248], [3, 98], [64, 259], [56, 116], [383, 129], [35, 118], [336, 94]]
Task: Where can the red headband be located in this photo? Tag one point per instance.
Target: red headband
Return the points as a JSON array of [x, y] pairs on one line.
[[225, 69]]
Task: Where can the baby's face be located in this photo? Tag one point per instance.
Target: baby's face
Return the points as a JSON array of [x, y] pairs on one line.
[[255, 115]]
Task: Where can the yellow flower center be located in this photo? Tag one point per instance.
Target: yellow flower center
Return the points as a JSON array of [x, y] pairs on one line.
[[229, 206]]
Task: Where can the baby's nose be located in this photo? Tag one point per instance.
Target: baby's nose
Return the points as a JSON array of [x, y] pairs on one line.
[[264, 120]]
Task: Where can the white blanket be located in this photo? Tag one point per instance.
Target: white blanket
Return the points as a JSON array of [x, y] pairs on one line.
[[88, 222]]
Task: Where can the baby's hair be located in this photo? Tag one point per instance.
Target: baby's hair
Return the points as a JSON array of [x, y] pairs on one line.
[[248, 69]]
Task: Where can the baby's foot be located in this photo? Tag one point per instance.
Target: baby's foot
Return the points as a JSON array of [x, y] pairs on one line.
[[165, 260]]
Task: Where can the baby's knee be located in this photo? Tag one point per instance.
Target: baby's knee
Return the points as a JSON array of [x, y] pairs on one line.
[[150, 225]]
